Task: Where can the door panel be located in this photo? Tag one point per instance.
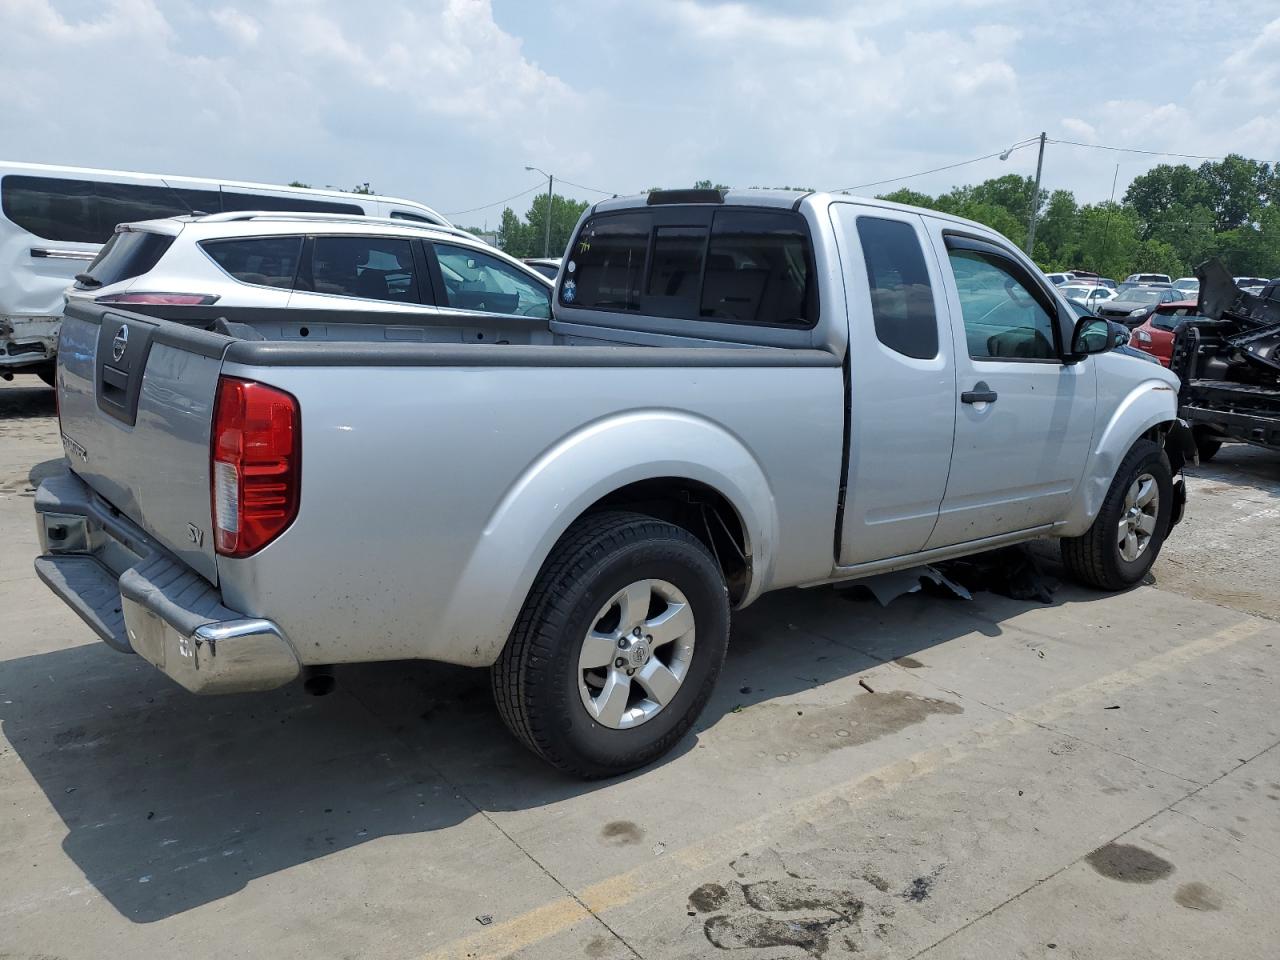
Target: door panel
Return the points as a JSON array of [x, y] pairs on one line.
[[902, 383], [1024, 419]]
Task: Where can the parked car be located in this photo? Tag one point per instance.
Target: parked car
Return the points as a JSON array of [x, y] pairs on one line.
[[1148, 278], [1133, 306], [198, 268], [1156, 335], [547, 266], [54, 220], [738, 392], [1090, 296], [1188, 286], [1058, 279], [1251, 284]]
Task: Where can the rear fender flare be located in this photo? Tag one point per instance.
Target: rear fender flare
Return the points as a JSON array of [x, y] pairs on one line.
[[565, 481]]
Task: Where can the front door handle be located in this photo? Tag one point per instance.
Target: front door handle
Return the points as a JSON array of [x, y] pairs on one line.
[[980, 393]]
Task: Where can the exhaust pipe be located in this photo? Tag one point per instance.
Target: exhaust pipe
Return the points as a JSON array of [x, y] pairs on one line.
[[319, 680]]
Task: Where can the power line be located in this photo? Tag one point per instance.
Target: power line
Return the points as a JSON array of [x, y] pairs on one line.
[[950, 166], [486, 206], [580, 186], [1149, 153]]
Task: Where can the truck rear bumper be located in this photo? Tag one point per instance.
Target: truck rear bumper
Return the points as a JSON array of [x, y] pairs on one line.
[[140, 599]]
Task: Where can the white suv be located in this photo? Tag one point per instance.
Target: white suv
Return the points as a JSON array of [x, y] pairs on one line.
[[314, 262]]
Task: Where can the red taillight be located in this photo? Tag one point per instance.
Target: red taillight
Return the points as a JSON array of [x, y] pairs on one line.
[[256, 465], [179, 299]]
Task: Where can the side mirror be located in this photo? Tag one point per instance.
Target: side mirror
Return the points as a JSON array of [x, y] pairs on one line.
[[1096, 335]]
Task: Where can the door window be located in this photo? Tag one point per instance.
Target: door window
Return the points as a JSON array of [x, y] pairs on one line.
[[1003, 319], [373, 268], [265, 261], [476, 281], [901, 295]]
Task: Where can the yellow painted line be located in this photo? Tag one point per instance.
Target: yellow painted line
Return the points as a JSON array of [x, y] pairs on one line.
[[541, 923]]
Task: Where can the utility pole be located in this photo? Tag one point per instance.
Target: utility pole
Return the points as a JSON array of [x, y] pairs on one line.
[[551, 198], [1035, 201], [551, 182]]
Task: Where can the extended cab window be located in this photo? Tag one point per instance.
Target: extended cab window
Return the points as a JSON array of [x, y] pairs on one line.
[[1003, 319], [477, 281], [265, 261], [901, 295], [758, 270]]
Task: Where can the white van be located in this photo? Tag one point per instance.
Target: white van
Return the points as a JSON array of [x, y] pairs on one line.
[[53, 221]]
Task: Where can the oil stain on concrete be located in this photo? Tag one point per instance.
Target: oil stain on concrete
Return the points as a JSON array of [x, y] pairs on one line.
[[621, 833], [1198, 896], [789, 735], [1129, 864]]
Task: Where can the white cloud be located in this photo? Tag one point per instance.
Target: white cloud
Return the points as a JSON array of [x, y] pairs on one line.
[[240, 26], [413, 98]]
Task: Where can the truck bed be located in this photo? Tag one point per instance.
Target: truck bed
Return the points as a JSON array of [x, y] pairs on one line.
[[433, 473]]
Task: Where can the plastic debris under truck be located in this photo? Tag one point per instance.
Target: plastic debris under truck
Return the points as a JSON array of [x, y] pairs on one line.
[[1229, 362]]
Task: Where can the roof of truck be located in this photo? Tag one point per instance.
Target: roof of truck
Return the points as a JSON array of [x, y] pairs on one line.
[[774, 199]]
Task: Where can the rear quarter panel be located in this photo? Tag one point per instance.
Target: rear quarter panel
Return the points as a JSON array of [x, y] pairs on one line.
[[431, 496]]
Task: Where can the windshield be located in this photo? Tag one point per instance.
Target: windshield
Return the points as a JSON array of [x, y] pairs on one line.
[[1143, 295]]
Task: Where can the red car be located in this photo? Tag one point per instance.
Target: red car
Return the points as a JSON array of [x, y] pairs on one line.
[[1156, 335]]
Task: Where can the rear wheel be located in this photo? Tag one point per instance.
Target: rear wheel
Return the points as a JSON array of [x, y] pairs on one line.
[[618, 646], [1119, 548]]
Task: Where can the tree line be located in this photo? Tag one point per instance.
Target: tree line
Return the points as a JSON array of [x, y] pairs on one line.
[[1169, 220]]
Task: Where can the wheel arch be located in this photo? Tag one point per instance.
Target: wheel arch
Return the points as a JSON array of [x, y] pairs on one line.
[[669, 464], [1149, 411]]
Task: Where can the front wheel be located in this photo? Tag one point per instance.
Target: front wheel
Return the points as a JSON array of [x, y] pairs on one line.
[[618, 646], [1119, 548]]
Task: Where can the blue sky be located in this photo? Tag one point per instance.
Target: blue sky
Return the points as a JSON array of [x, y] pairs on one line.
[[446, 101]]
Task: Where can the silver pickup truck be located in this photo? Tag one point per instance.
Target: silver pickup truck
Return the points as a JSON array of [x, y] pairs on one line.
[[737, 392]]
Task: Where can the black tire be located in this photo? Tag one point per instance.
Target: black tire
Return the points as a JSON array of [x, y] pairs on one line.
[[1207, 445], [536, 678], [47, 372], [1094, 557]]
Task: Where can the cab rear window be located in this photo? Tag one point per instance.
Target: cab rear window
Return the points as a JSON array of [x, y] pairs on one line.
[[729, 265]]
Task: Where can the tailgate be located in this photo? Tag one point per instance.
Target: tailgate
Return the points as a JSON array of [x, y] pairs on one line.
[[136, 403]]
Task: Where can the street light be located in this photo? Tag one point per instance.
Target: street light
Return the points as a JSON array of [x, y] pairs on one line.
[[1035, 194], [546, 242]]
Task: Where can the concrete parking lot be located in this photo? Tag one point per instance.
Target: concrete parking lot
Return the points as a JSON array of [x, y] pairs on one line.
[[1095, 777]]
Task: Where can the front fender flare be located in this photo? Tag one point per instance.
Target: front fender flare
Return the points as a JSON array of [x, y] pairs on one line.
[[1147, 405], [564, 482]]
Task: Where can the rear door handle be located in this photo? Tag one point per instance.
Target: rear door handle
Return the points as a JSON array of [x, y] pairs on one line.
[[980, 393]]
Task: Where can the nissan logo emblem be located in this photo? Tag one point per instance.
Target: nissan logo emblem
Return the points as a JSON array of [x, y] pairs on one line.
[[120, 344]]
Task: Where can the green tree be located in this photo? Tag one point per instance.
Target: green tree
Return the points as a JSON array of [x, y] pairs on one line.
[[299, 183], [1235, 189], [526, 238], [513, 235], [1057, 230], [1162, 189]]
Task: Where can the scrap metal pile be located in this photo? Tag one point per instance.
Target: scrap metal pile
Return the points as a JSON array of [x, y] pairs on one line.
[[1229, 362]]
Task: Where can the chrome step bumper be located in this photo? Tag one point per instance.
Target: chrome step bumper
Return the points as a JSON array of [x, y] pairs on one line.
[[140, 599]]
